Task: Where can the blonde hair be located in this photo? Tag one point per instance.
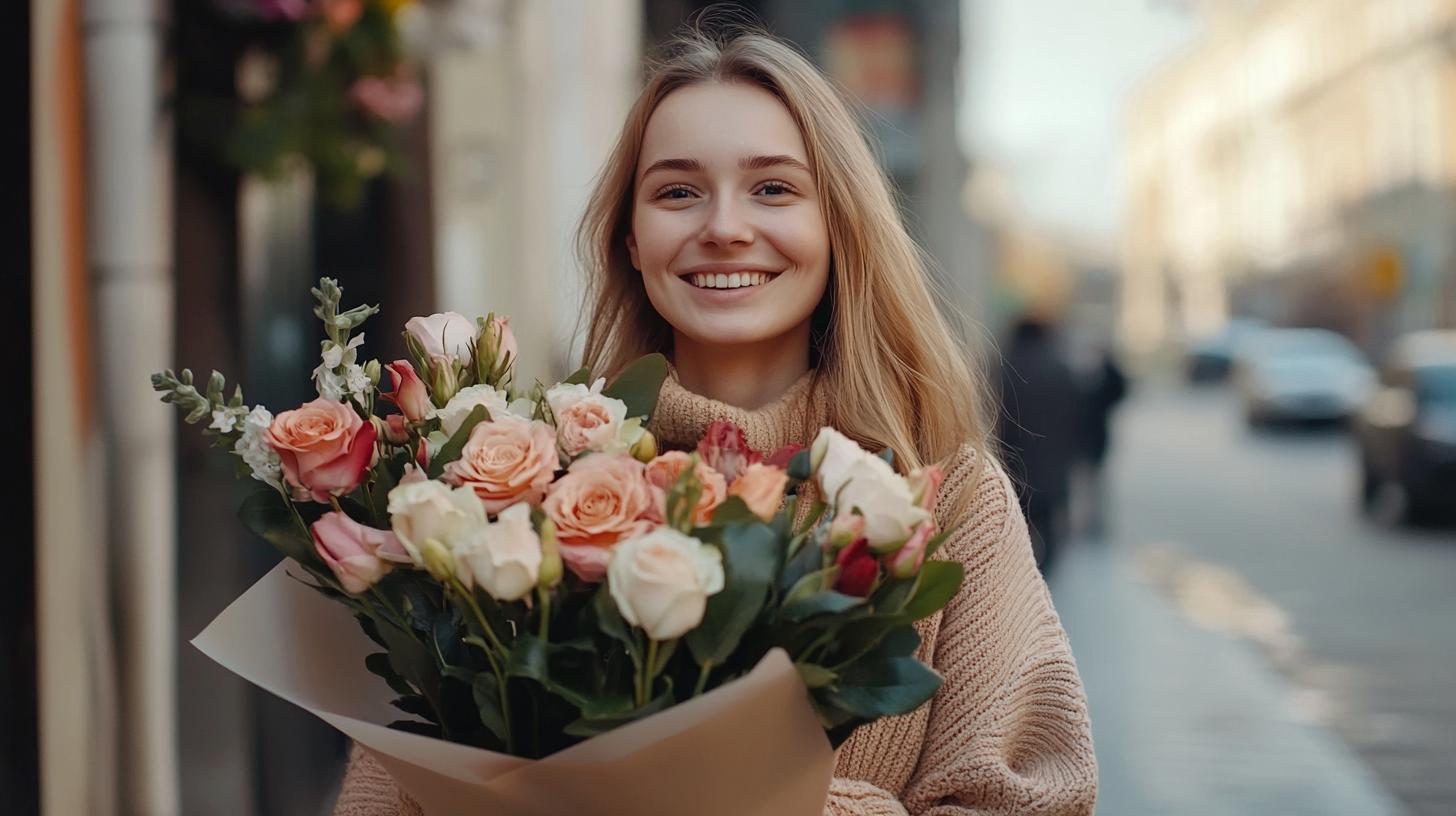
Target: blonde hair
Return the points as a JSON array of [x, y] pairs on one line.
[[894, 374]]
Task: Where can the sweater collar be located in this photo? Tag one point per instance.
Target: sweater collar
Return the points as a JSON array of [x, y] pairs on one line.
[[682, 417]]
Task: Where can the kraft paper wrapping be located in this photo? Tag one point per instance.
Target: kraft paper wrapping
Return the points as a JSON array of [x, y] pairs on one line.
[[748, 747]]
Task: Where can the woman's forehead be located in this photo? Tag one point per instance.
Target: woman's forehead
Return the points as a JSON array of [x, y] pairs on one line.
[[721, 126]]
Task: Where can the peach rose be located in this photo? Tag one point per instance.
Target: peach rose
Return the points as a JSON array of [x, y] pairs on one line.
[[664, 470], [324, 448], [602, 499], [588, 420], [762, 488], [506, 461]]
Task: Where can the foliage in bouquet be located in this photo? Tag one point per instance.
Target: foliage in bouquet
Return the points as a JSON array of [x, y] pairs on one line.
[[536, 572]]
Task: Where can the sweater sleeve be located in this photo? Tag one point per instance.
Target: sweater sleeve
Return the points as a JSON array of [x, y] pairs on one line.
[[1008, 732], [369, 790]]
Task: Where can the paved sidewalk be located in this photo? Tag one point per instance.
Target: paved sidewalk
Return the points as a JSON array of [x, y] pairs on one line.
[[1189, 721]]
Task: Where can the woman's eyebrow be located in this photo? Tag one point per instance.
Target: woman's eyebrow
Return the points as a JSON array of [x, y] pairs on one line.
[[746, 163]]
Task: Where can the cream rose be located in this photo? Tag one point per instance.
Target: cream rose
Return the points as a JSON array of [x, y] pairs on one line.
[[458, 409], [505, 461], [443, 335], [587, 420], [422, 510], [877, 492], [503, 558], [831, 455], [661, 581], [602, 499]]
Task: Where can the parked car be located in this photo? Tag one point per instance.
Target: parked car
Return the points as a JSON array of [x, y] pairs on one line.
[[1407, 430], [1300, 375], [1210, 356]]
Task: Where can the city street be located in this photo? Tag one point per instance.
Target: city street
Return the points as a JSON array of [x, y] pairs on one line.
[[1250, 643]]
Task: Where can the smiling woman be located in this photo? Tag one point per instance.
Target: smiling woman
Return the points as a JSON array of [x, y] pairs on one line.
[[742, 227]]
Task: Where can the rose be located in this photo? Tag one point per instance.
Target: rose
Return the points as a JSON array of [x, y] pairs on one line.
[[762, 488], [601, 500], [496, 347], [340, 15], [857, 569], [446, 335], [873, 489], [505, 461], [358, 556], [924, 486], [455, 412], [661, 581], [725, 448], [783, 456], [324, 448], [410, 393], [392, 99], [587, 420], [665, 469], [830, 456], [503, 558], [423, 510], [844, 529]]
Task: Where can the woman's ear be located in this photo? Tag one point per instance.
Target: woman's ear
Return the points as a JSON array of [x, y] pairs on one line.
[[632, 251]]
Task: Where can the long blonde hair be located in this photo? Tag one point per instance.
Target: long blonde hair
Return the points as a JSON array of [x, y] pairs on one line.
[[894, 373]]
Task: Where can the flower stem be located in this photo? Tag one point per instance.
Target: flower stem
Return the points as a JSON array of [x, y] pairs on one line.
[[334, 500], [495, 665], [545, 596], [644, 685], [702, 677]]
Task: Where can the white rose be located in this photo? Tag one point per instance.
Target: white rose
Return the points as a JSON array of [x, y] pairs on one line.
[[503, 558], [661, 581], [586, 420], [453, 415], [447, 334], [431, 509], [885, 500], [831, 456], [253, 448]]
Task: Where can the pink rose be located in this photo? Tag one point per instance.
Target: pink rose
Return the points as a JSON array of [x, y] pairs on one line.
[[506, 461], [358, 556], [445, 335], [396, 432], [341, 15], [858, 569], [586, 419], [762, 488], [602, 499], [725, 449], [324, 447], [783, 456], [410, 394], [925, 486], [663, 472], [390, 99]]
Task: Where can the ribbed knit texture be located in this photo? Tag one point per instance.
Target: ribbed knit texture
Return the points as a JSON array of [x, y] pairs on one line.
[[1008, 731]]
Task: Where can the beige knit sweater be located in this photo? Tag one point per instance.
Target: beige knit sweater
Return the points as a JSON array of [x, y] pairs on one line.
[[1008, 731]]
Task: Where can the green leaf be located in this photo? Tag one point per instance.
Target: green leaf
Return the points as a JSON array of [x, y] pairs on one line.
[[415, 727], [883, 688], [803, 561], [815, 676], [812, 584], [582, 376], [799, 466], [935, 541], [822, 603], [592, 726], [411, 660], [892, 595], [268, 515], [567, 670], [734, 511], [378, 664], [887, 455], [939, 582], [485, 690], [639, 384], [451, 450], [413, 704], [750, 560]]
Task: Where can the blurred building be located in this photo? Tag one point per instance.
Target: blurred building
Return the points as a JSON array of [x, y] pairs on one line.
[[1296, 164]]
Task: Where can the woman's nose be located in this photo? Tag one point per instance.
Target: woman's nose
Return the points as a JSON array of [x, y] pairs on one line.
[[727, 224]]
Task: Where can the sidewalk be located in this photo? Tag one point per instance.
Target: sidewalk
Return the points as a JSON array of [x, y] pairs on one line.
[[1188, 721]]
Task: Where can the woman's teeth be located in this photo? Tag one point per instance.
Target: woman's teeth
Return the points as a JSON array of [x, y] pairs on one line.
[[731, 280]]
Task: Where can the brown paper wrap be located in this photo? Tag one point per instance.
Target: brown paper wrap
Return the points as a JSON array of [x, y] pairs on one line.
[[748, 747]]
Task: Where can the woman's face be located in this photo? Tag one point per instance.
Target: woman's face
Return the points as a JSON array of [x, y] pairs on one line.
[[727, 229]]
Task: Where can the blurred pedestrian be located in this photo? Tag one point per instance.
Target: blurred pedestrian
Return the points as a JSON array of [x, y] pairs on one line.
[[1103, 387], [1038, 430]]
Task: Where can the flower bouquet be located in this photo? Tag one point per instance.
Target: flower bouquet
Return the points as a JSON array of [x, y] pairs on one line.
[[549, 606]]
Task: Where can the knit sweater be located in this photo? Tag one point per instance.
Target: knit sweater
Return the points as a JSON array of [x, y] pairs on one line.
[[1007, 733]]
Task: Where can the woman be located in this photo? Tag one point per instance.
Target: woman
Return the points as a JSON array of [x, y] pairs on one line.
[[743, 228]]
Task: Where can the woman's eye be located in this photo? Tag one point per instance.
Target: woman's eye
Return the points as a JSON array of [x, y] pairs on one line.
[[675, 193], [774, 188]]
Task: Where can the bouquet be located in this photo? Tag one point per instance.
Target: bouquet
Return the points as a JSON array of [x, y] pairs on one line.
[[543, 598]]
